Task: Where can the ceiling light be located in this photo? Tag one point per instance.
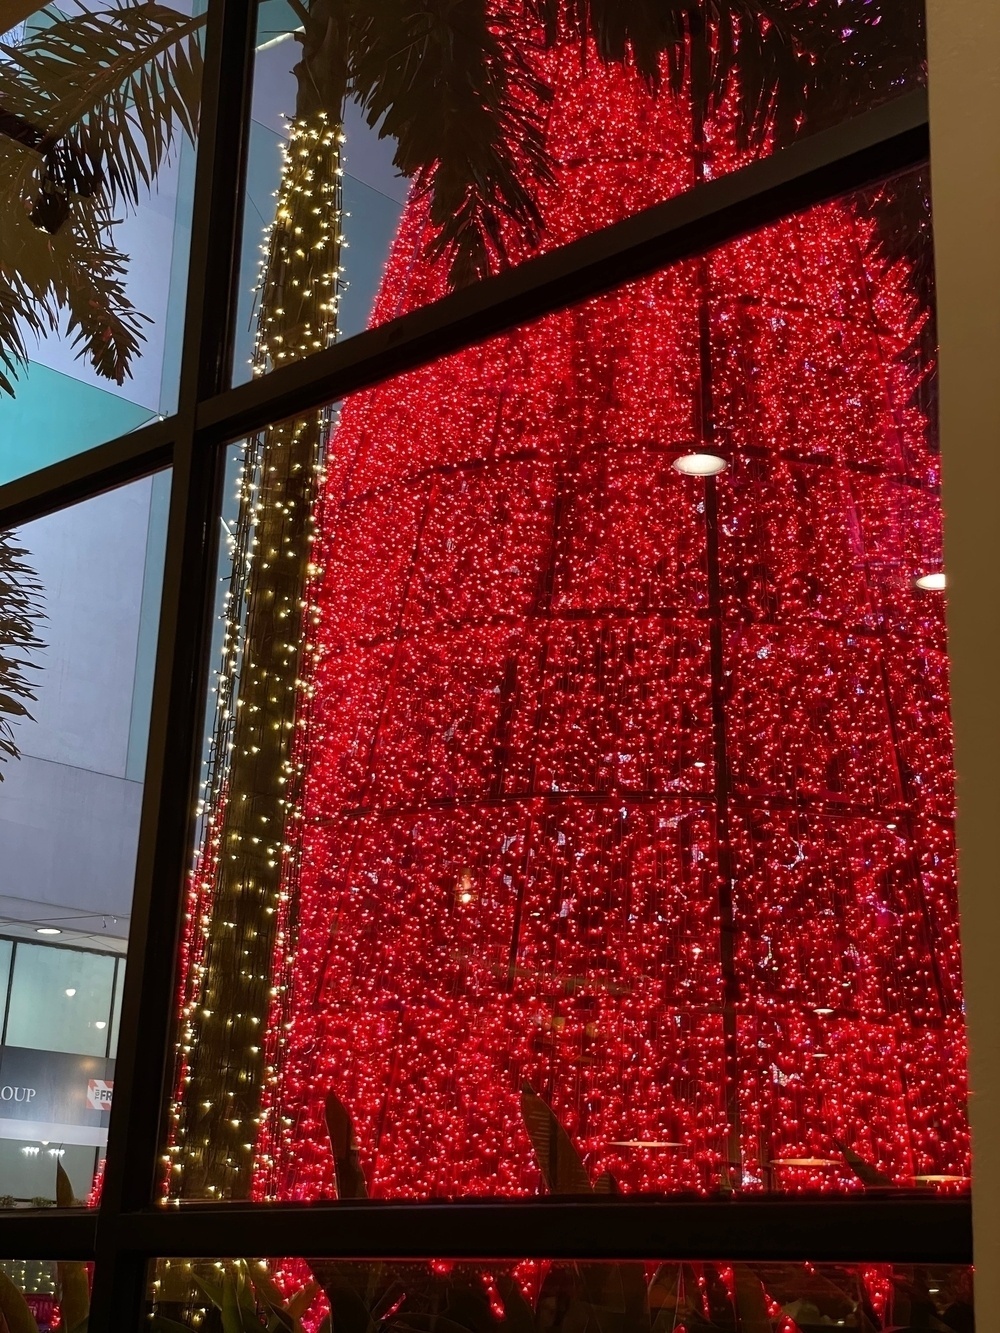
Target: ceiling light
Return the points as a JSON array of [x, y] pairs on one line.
[[699, 465], [71, 991], [101, 1024], [47, 930], [935, 582]]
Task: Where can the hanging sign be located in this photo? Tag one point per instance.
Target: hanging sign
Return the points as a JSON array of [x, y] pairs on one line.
[[55, 1096]]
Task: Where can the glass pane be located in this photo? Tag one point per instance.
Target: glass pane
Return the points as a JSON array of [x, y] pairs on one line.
[[96, 152], [60, 1000], [40, 1295], [79, 601], [540, 1294], [6, 947], [611, 795], [514, 139]]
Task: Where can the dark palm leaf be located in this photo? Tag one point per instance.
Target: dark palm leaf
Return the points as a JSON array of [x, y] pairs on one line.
[[18, 311], [91, 106], [781, 57], [109, 92], [458, 95], [97, 100], [13, 12], [703, 41], [558, 1160], [20, 611], [90, 275], [456, 90], [78, 271], [351, 1183]]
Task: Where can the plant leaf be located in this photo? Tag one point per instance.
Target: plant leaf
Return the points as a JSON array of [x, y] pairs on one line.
[[750, 1301], [14, 1308], [64, 1188], [865, 1171], [558, 1160], [457, 91], [74, 1293], [351, 1182]]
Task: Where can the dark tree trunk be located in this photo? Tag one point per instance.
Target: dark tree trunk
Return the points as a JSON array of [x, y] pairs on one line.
[[228, 991]]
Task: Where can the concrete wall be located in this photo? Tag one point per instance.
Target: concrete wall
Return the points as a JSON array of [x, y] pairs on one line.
[[964, 48]]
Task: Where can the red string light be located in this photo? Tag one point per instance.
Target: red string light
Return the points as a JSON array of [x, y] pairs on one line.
[[632, 785]]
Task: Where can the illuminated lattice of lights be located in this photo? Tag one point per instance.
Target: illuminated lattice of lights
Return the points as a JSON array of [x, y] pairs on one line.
[[541, 675]]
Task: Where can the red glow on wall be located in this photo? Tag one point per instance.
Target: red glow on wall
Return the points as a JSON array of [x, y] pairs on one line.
[[633, 785]]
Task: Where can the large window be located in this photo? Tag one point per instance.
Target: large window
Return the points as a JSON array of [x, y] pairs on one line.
[[537, 772], [81, 593], [625, 773]]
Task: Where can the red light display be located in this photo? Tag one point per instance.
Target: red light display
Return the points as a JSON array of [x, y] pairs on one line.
[[630, 784]]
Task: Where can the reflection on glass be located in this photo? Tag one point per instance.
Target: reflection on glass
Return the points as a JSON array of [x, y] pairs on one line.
[[79, 597], [29, 1176], [38, 1296], [618, 788], [100, 108], [517, 136], [60, 1000], [535, 1296]]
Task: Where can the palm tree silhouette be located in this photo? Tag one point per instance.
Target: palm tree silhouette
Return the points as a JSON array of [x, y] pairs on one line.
[[20, 611]]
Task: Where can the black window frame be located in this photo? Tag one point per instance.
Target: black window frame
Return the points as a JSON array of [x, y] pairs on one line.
[[132, 1227]]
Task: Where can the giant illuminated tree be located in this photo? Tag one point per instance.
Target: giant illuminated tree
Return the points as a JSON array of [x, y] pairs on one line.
[[628, 784]]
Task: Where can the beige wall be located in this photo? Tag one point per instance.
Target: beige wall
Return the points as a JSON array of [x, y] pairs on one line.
[[964, 42]]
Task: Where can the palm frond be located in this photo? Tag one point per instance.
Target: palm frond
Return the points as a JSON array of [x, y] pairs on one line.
[[790, 63], [452, 82], [90, 107], [457, 92], [90, 275], [19, 311], [109, 92], [20, 611]]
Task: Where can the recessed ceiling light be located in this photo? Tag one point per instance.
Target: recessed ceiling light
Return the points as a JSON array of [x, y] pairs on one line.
[[935, 582], [71, 991], [100, 1024], [699, 465], [47, 930]]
